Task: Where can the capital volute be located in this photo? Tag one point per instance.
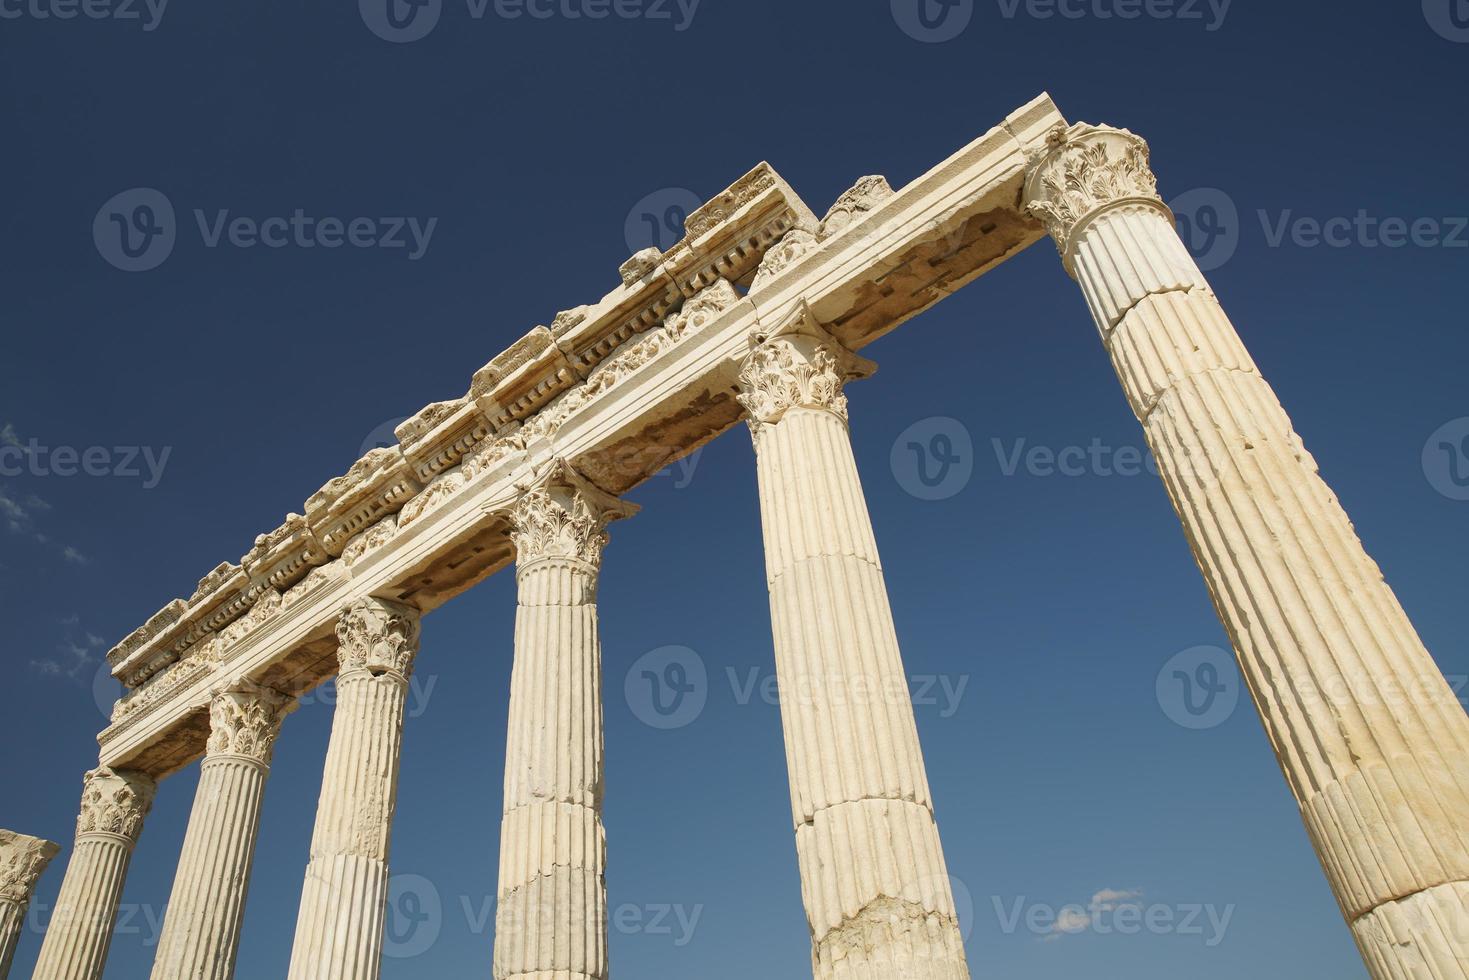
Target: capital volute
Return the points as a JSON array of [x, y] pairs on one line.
[[244, 720], [561, 514], [797, 365], [1085, 171], [22, 859], [115, 801], [378, 636]]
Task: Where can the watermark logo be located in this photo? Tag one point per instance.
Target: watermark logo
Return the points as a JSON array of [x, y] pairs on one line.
[[1446, 459], [1113, 911], [1096, 458], [383, 436], [400, 21], [1449, 19], [667, 688], [1199, 688], [657, 220], [1210, 13], [149, 13], [933, 21], [32, 458], [415, 917], [933, 459], [403, 21], [135, 230], [1208, 223]]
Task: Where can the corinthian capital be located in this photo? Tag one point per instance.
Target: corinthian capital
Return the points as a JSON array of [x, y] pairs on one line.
[[115, 801], [560, 514], [22, 859], [378, 636], [245, 720], [799, 365], [1084, 171]]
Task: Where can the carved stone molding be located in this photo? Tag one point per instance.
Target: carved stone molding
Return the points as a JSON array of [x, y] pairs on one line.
[[799, 365], [782, 255], [245, 720], [22, 860], [378, 636], [115, 801], [864, 196], [561, 515], [1087, 170]]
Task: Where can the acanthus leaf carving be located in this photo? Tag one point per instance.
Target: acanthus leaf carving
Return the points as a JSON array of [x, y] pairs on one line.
[[244, 720], [1086, 169], [22, 859], [561, 515], [378, 636], [115, 801], [866, 195], [798, 365]]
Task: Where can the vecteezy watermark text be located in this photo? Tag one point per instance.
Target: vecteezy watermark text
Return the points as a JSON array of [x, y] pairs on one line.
[[30, 458], [136, 230], [403, 21], [149, 13]]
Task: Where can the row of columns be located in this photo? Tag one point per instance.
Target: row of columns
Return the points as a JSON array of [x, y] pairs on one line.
[[1371, 740]]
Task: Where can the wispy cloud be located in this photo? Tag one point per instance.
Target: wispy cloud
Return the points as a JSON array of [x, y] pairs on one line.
[[9, 437], [18, 511], [75, 654], [1076, 919]]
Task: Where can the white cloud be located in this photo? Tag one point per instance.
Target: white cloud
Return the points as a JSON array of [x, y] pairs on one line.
[[75, 653], [1076, 919], [8, 436]]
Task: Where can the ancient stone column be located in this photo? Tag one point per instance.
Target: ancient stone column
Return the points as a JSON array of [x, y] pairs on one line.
[[551, 920], [114, 803], [876, 890], [339, 929], [1371, 739], [22, 859], [201, 930]]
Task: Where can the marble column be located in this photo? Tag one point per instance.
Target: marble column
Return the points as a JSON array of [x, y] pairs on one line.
[[1371, 739], [339, 929], [114, 803], [876, 889], [22, 859], [201, 930], [551, 919]]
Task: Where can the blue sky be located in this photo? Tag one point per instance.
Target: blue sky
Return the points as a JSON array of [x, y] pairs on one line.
[[1037, 604]]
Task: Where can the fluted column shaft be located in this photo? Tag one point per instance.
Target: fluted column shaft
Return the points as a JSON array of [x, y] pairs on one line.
[[114, 803], [873, 878], [339, 928], [551, 919], [1371, 739], [22, 860], [201, 930]]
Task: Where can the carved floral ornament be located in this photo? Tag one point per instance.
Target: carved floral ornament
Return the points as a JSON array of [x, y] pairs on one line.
[[115, 801], [798, 366], [562, 515], [22, 859], [378, 636], [245, 721], [1086, 169]]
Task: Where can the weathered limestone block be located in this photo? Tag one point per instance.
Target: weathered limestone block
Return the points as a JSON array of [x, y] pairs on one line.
[[551, 919], [1371, 739], [517, 383], [114, 803], [339, 929], [377, 485], [22, 860], [728, 236], [877, 896], [201, 930]]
